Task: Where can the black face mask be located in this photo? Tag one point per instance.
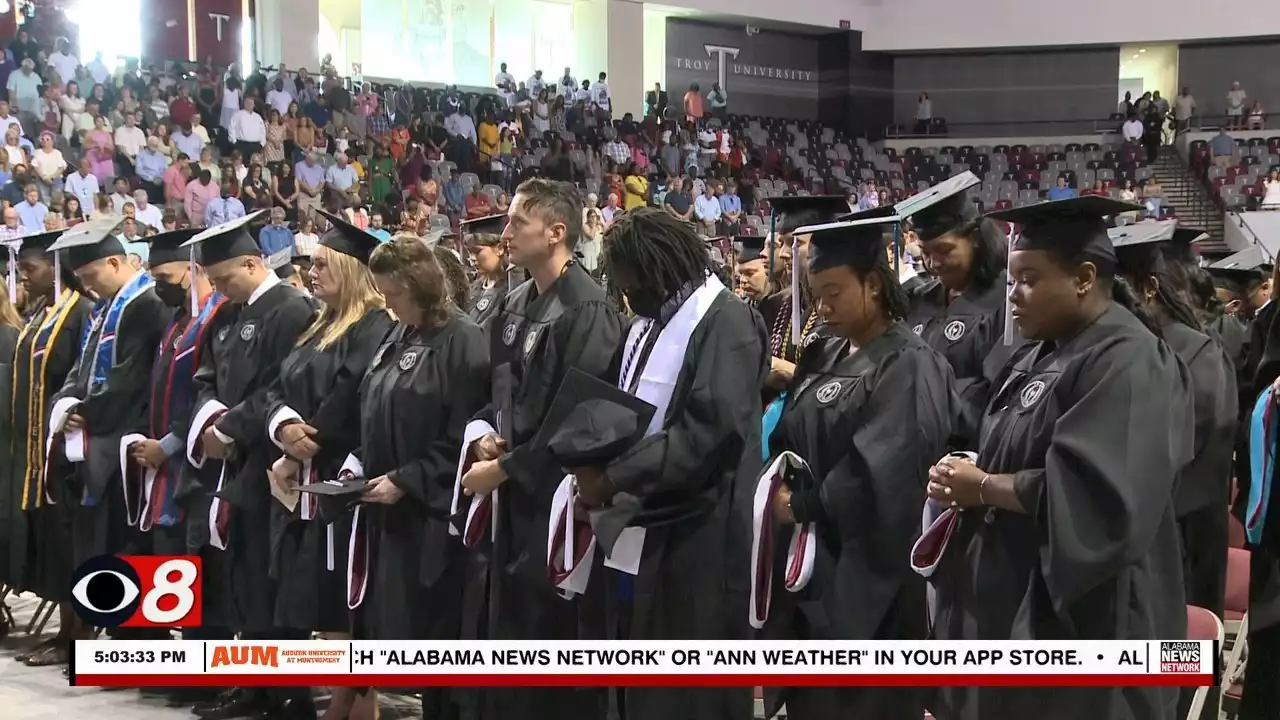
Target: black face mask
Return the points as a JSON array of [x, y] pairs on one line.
[[646, 303], [171, 294]]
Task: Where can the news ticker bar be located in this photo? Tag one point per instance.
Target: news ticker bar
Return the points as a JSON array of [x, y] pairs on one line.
[[643, 663]]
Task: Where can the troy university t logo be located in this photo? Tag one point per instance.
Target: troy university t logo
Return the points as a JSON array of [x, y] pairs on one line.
[[219, 21], [722, 54]]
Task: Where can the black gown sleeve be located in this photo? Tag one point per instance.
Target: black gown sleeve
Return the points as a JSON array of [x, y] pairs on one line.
[[246, 423], [120, 404], [339, 412], [1109, 470], [588, 339], [729, 364], [429, 479]]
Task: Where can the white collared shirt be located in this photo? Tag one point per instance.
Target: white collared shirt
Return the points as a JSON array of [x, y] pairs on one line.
[[271, 281], [247, 126]]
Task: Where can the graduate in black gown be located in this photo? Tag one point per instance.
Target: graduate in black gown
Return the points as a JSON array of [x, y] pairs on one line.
[[312, 410], [172, 517], [38, 531], [691, 351], [1058, 538], [483, 239], [1261, 696], [795, 319], [105, 398], [751, 273], [434, 357], [228, 434], [1149, 260], [854, 393], [559, 319], [961, 311], [10, 325]]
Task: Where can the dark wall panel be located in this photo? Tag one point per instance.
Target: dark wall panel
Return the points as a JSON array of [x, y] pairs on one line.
[[1010, 87], [772, 73], [1209, 71]]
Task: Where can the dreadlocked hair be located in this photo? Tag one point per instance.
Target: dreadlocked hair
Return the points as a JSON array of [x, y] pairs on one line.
[[655, 250], [1123, 295], [1203, 293], [454, 274]]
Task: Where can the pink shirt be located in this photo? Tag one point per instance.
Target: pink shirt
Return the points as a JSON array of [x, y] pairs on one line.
[[175, 183], [196, 197]]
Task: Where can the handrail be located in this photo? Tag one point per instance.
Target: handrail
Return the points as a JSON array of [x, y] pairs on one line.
[[997, 127], [1244, 226]]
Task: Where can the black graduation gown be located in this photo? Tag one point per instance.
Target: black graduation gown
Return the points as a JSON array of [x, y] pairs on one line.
[[869, 422], [39, 536], [415, 583], [112, 410], [8, 510], [322, 387], [1201, 499], [535, 339], [243, 357], [969, 332], [694, 480], [1234, 337], [1072, 423], [173, 398], [1261, 698], [487, 301]]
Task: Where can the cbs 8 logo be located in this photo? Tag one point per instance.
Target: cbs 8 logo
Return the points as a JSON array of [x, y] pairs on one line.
[[139, 591]]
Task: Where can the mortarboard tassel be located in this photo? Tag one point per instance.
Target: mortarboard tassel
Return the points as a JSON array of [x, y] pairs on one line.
[[1008, 306], [57, 276], [191, 267], [796, 323]]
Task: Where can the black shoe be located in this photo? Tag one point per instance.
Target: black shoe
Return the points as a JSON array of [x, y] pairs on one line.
[[244, 703], [291, 709]]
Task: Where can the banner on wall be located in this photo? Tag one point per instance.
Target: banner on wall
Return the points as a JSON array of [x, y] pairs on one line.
[[756, 70]]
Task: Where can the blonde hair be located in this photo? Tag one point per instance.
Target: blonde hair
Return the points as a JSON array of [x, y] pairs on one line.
[[357, 296], [8, 313]]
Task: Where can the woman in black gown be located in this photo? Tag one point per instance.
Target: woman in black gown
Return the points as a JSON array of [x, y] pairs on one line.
[[428, 379], [312, 409], [870, 405], [48, 348], [483, 238], [961, 311], [1064, 526]]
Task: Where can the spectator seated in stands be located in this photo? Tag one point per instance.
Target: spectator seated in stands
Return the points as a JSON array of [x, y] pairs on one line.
[[1061, 191], [276, 235], [477, 203]]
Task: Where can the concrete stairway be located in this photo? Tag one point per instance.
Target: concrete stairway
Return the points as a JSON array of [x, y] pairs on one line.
[[1189, 198]]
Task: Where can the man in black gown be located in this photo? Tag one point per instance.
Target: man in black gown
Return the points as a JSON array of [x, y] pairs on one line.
[[559, 319], [241, 356], [691, 352], [105, 397], [173, 517]]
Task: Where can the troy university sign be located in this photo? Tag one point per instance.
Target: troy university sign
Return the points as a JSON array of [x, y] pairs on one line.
[[723, 60], [173, 29]]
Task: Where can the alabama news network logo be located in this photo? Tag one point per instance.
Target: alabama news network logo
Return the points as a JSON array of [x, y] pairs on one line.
[[139, 591], [1180, 657]]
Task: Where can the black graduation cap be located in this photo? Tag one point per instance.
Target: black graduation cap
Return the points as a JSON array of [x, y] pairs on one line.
[[793, 211], [282, 263], [227, 241], [592, 422], [1075, 227], [37, 245], [1139, 247], [1189, 236], [89, 242], [168, 247], [348, 239], [856, 239], [942, 208], [488, 225], [752, 248], [1240, 271]]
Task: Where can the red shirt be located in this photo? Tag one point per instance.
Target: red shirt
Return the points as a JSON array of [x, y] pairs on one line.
[[181, 110]]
